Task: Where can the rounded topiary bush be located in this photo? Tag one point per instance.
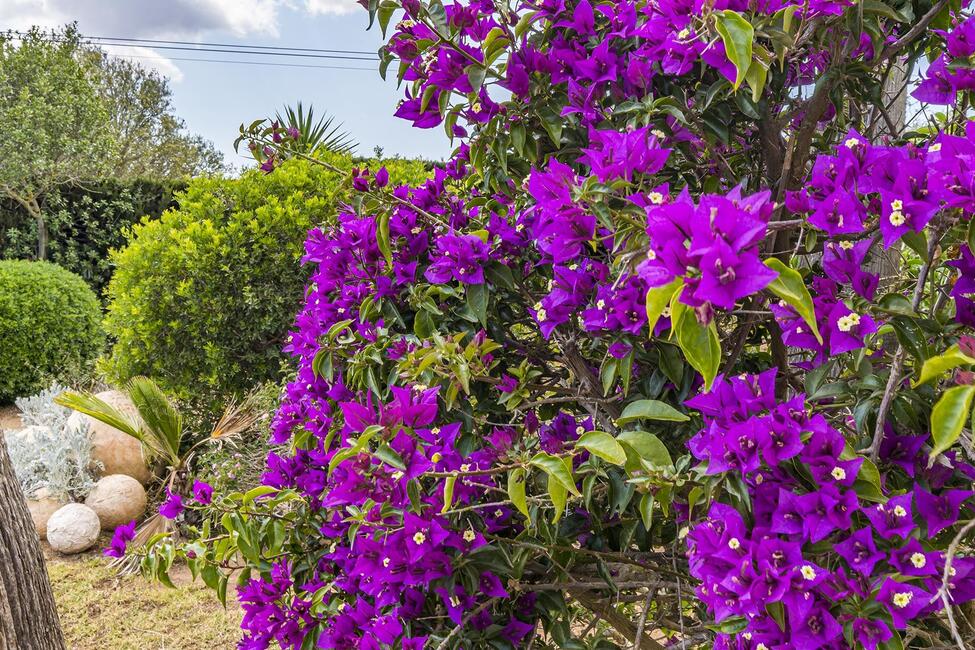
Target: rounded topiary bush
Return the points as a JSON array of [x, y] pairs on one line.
[[49, 326], [202, 299]]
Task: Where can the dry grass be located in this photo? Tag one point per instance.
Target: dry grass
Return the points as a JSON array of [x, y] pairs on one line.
[[100, 610]]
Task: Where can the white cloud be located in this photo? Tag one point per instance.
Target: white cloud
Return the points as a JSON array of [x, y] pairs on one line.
[[148, 58], [337, 7], [174, 19]]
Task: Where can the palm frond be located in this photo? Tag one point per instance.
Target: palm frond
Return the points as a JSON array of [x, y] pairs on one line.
[[315, 136], [236, 418], [100, 410], [162, 421]]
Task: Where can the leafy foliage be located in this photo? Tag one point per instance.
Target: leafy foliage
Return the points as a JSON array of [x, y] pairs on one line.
[[313, 136], [51, 455], [202, 298], [84, 223], [49, 327], [625, 372], [151, 140], [56, 123]]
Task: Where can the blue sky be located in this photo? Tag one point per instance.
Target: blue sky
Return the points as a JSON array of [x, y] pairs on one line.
[[214, 98]]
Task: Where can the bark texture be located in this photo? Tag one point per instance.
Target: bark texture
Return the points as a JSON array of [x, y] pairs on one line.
[[28, 615]]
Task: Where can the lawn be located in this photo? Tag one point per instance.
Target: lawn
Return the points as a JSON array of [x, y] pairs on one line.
[[100, 610]]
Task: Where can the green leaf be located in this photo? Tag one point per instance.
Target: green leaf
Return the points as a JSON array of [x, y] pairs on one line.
[[658, 299], [163, 423], [756, 76], [516, 490], [648, 447], [382, 238], [257, 493], [738, 36], [475, 74], [558, 468], [646, 510], [386, 454], [650, 409], [100, 410], [559, 496], [477, 300], [700, 344], [971, 235], [949, 416], [936, 366], [791, 288], [600, 443], [448, 493]]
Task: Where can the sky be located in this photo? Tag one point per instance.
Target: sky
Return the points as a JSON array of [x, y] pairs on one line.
[[215, 98]]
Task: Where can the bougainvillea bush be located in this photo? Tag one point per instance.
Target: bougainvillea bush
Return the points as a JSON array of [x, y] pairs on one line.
[[676, 350]]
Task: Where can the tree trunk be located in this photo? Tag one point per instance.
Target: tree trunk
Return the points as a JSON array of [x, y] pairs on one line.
[[28, 616], [42, 236]]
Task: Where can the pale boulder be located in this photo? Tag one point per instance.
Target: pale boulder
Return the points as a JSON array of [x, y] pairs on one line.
[[73, 529], [117, 452], [41, 506], [117, 500]]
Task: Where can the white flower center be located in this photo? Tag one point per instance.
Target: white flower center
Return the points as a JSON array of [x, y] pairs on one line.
[[419, 538], [903, 599], [918, 560]]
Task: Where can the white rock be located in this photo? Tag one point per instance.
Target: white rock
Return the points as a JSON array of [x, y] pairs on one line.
[[41, 506], [118, 452], [117, 500], [73, 529]]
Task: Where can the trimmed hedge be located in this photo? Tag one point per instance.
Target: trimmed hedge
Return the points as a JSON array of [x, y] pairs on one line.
[[85, 223], [49, 326], [203, 298]]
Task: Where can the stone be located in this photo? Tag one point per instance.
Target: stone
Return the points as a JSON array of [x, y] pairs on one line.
[[41, 506], [117, 500], [73, 528], [118, 452]]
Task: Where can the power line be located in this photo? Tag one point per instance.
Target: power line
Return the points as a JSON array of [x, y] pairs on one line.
[[256, 47], [265, 63], [230, 51]]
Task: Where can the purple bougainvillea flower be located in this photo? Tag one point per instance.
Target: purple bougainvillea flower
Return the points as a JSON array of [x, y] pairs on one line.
[[172, 507], [120, 539], [941, 511], [860, 551], [892, 518], [815, 629], [613, 155], [912, 560], [904, 601], [202, 492], [458, 257], [871, 633], [936, 87], [843, 263], [964, 288], [961, 40]]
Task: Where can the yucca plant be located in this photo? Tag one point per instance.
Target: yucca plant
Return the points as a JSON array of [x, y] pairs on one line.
[[165, 440], [308, 135]]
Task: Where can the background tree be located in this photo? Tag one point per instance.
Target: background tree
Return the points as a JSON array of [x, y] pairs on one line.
[[152, 140], [55, 123]]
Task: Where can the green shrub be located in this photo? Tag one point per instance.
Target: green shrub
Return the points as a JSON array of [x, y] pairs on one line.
[[49, 326], [84, 223], [203, 298]]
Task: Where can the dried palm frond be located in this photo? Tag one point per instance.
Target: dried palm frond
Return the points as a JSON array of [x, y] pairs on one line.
[[237, 418]]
